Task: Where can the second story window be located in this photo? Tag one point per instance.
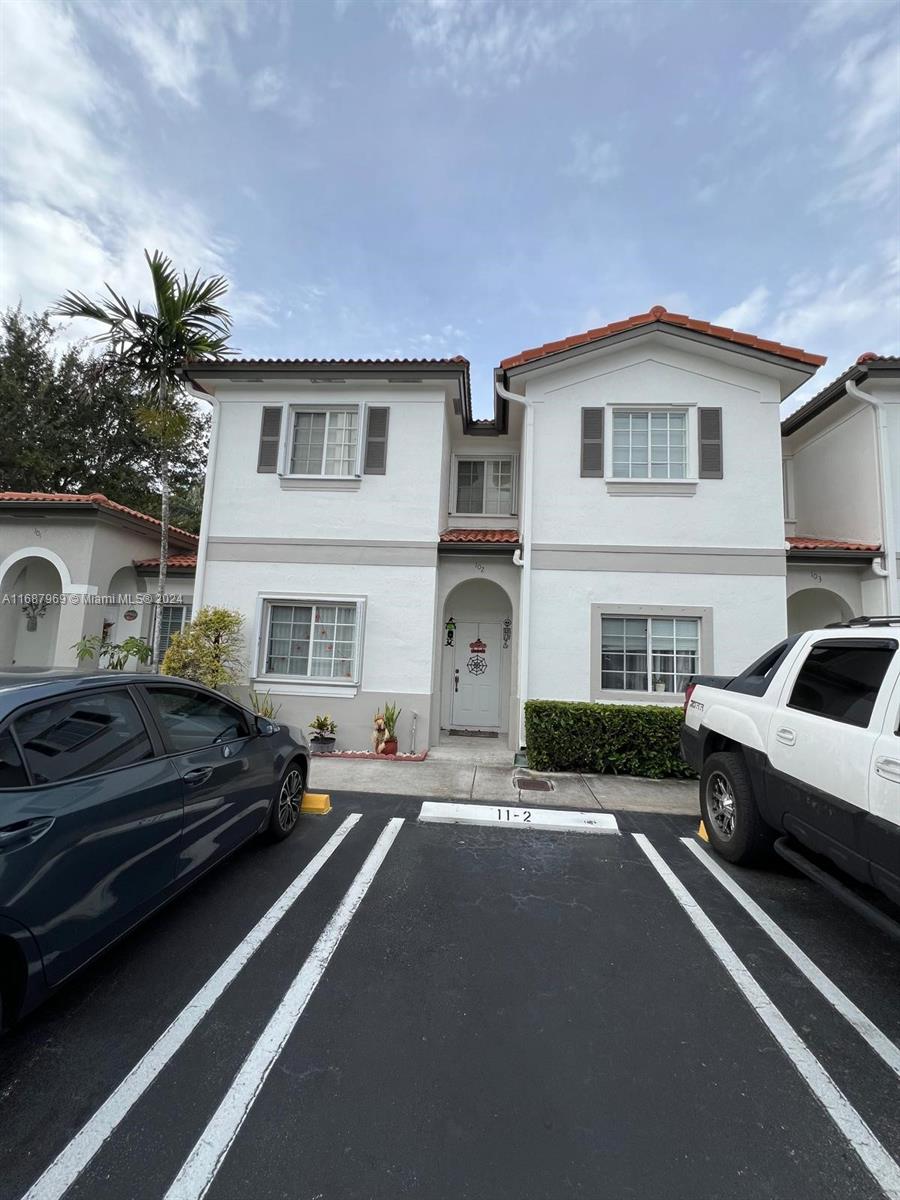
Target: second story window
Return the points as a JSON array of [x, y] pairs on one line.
[[484, 486], [649, 444], [325, 443]]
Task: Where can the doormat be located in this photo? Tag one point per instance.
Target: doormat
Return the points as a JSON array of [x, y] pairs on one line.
[[472, 733]]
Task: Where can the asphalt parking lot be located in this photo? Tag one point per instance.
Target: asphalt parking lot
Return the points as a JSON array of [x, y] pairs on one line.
[[380, 1007]]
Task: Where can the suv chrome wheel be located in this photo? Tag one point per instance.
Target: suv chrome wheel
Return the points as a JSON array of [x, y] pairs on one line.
[[720, 803]]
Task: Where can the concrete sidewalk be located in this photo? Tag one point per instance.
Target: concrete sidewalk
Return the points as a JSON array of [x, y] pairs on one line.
[[458, 774]]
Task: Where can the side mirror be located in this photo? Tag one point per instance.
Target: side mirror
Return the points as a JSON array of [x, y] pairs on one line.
[[265, 727]]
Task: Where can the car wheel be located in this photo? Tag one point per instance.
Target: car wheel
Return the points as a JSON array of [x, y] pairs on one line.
[[733, 823], [289, 797]]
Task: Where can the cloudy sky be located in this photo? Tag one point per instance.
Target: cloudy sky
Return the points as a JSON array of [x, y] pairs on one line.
[[433, 177]]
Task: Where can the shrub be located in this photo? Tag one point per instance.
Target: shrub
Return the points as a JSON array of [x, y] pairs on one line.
[[615, 739], [207, 651]]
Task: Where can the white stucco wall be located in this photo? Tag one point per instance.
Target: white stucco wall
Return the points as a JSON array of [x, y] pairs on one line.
[[835, 475], [397, 638], [401, 505], [744, 509], [748, 614]]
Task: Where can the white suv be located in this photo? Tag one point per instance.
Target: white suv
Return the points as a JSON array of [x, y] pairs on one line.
[[806, 742]]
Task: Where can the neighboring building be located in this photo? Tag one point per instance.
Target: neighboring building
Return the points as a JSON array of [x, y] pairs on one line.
[[842, 497], [616, 526], [97, 554]]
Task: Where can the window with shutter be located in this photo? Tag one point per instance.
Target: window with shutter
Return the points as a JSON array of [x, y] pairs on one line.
[[709, 426], [269, 441], [376, 441], [592, 442]]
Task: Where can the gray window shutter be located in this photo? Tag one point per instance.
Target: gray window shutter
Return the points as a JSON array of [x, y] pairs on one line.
[[375, 462], [269, 441], [709, 426], [592, 442]]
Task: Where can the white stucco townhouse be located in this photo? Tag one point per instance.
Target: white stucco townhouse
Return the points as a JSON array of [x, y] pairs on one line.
[[842, 497], [617, 524]]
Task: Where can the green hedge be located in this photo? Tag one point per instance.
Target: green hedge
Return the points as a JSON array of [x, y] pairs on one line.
[[617, 739]]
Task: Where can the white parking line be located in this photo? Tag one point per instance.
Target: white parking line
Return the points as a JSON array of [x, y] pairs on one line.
[[520, 817], [199, 1169], [883, 1169], [878, 1041], [72, 1160]]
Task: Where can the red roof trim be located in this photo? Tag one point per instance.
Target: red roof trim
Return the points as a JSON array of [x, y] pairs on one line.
[[95, 498], [811, 543], [658, 315], [510, 536], [173, 561]]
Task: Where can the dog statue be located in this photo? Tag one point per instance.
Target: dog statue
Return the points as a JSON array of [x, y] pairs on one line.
[[379, 734]]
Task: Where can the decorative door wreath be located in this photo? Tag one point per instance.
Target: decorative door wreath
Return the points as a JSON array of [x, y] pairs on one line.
[[477, 664]]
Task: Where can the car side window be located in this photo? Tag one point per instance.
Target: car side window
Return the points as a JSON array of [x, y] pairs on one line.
[[840, 680], [81, 735], [192, 720], [12, 770]]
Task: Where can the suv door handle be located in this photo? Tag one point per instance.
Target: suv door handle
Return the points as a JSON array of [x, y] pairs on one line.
[[786, 736], [197, 776], [888, 768]]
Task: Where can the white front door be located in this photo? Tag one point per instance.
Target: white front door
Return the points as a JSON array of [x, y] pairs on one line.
[[475, 695]]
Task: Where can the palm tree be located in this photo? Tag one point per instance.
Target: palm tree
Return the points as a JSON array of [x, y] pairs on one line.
[[189, 323]]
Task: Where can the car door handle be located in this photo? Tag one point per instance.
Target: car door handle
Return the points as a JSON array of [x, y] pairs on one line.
[[786, 736], [20, 833], [197, 776], [888, 768]]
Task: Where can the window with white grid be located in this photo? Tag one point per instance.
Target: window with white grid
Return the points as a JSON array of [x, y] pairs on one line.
[[324, 443], [649, 444], [641, 653], [312, 640], [172, 619], [484, 486]]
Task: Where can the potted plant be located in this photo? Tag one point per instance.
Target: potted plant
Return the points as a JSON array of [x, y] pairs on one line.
[[391, 713], [322, 734], [263, 704], [659, 684]]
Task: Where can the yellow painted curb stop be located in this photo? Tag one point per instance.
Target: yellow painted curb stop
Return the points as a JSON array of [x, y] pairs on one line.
[[316, 802], [702, 834]]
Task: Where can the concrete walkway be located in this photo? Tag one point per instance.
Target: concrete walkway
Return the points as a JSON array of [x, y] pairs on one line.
[[481, 770]]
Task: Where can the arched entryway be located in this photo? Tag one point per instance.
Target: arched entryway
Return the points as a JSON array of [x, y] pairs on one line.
[[814, 608], [477, 658], [29, 629]]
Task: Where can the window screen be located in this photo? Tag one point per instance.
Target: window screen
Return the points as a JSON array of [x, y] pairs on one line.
[[82, 735], [840, 680]]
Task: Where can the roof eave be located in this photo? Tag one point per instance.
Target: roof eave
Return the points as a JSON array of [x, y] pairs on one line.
[[825, 554], [99, 511], [792, 372], [836, 390]]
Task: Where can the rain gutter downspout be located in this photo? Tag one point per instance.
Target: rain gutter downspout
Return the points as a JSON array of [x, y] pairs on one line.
[[208, 483], [523, 557], [889, 538]]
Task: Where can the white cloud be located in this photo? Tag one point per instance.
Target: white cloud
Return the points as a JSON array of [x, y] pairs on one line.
[[748, 313], [479, 46], [595, 161], [77, 209], [177, 42], [266, 88]]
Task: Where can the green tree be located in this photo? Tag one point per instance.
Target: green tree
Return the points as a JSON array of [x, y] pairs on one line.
[[70, 422], [209, 650], [189, 323]]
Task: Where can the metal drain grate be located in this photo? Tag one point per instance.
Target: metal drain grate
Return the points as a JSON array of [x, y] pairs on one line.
[[527, 784]]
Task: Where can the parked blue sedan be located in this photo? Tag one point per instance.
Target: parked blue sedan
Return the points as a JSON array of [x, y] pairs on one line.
[[117, 791]]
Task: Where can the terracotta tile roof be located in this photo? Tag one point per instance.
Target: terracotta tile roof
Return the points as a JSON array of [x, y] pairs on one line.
[[173, 561], [198, 364], [493, 536], [94, 498], [658, 315], [833, 391], [811, 543]]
